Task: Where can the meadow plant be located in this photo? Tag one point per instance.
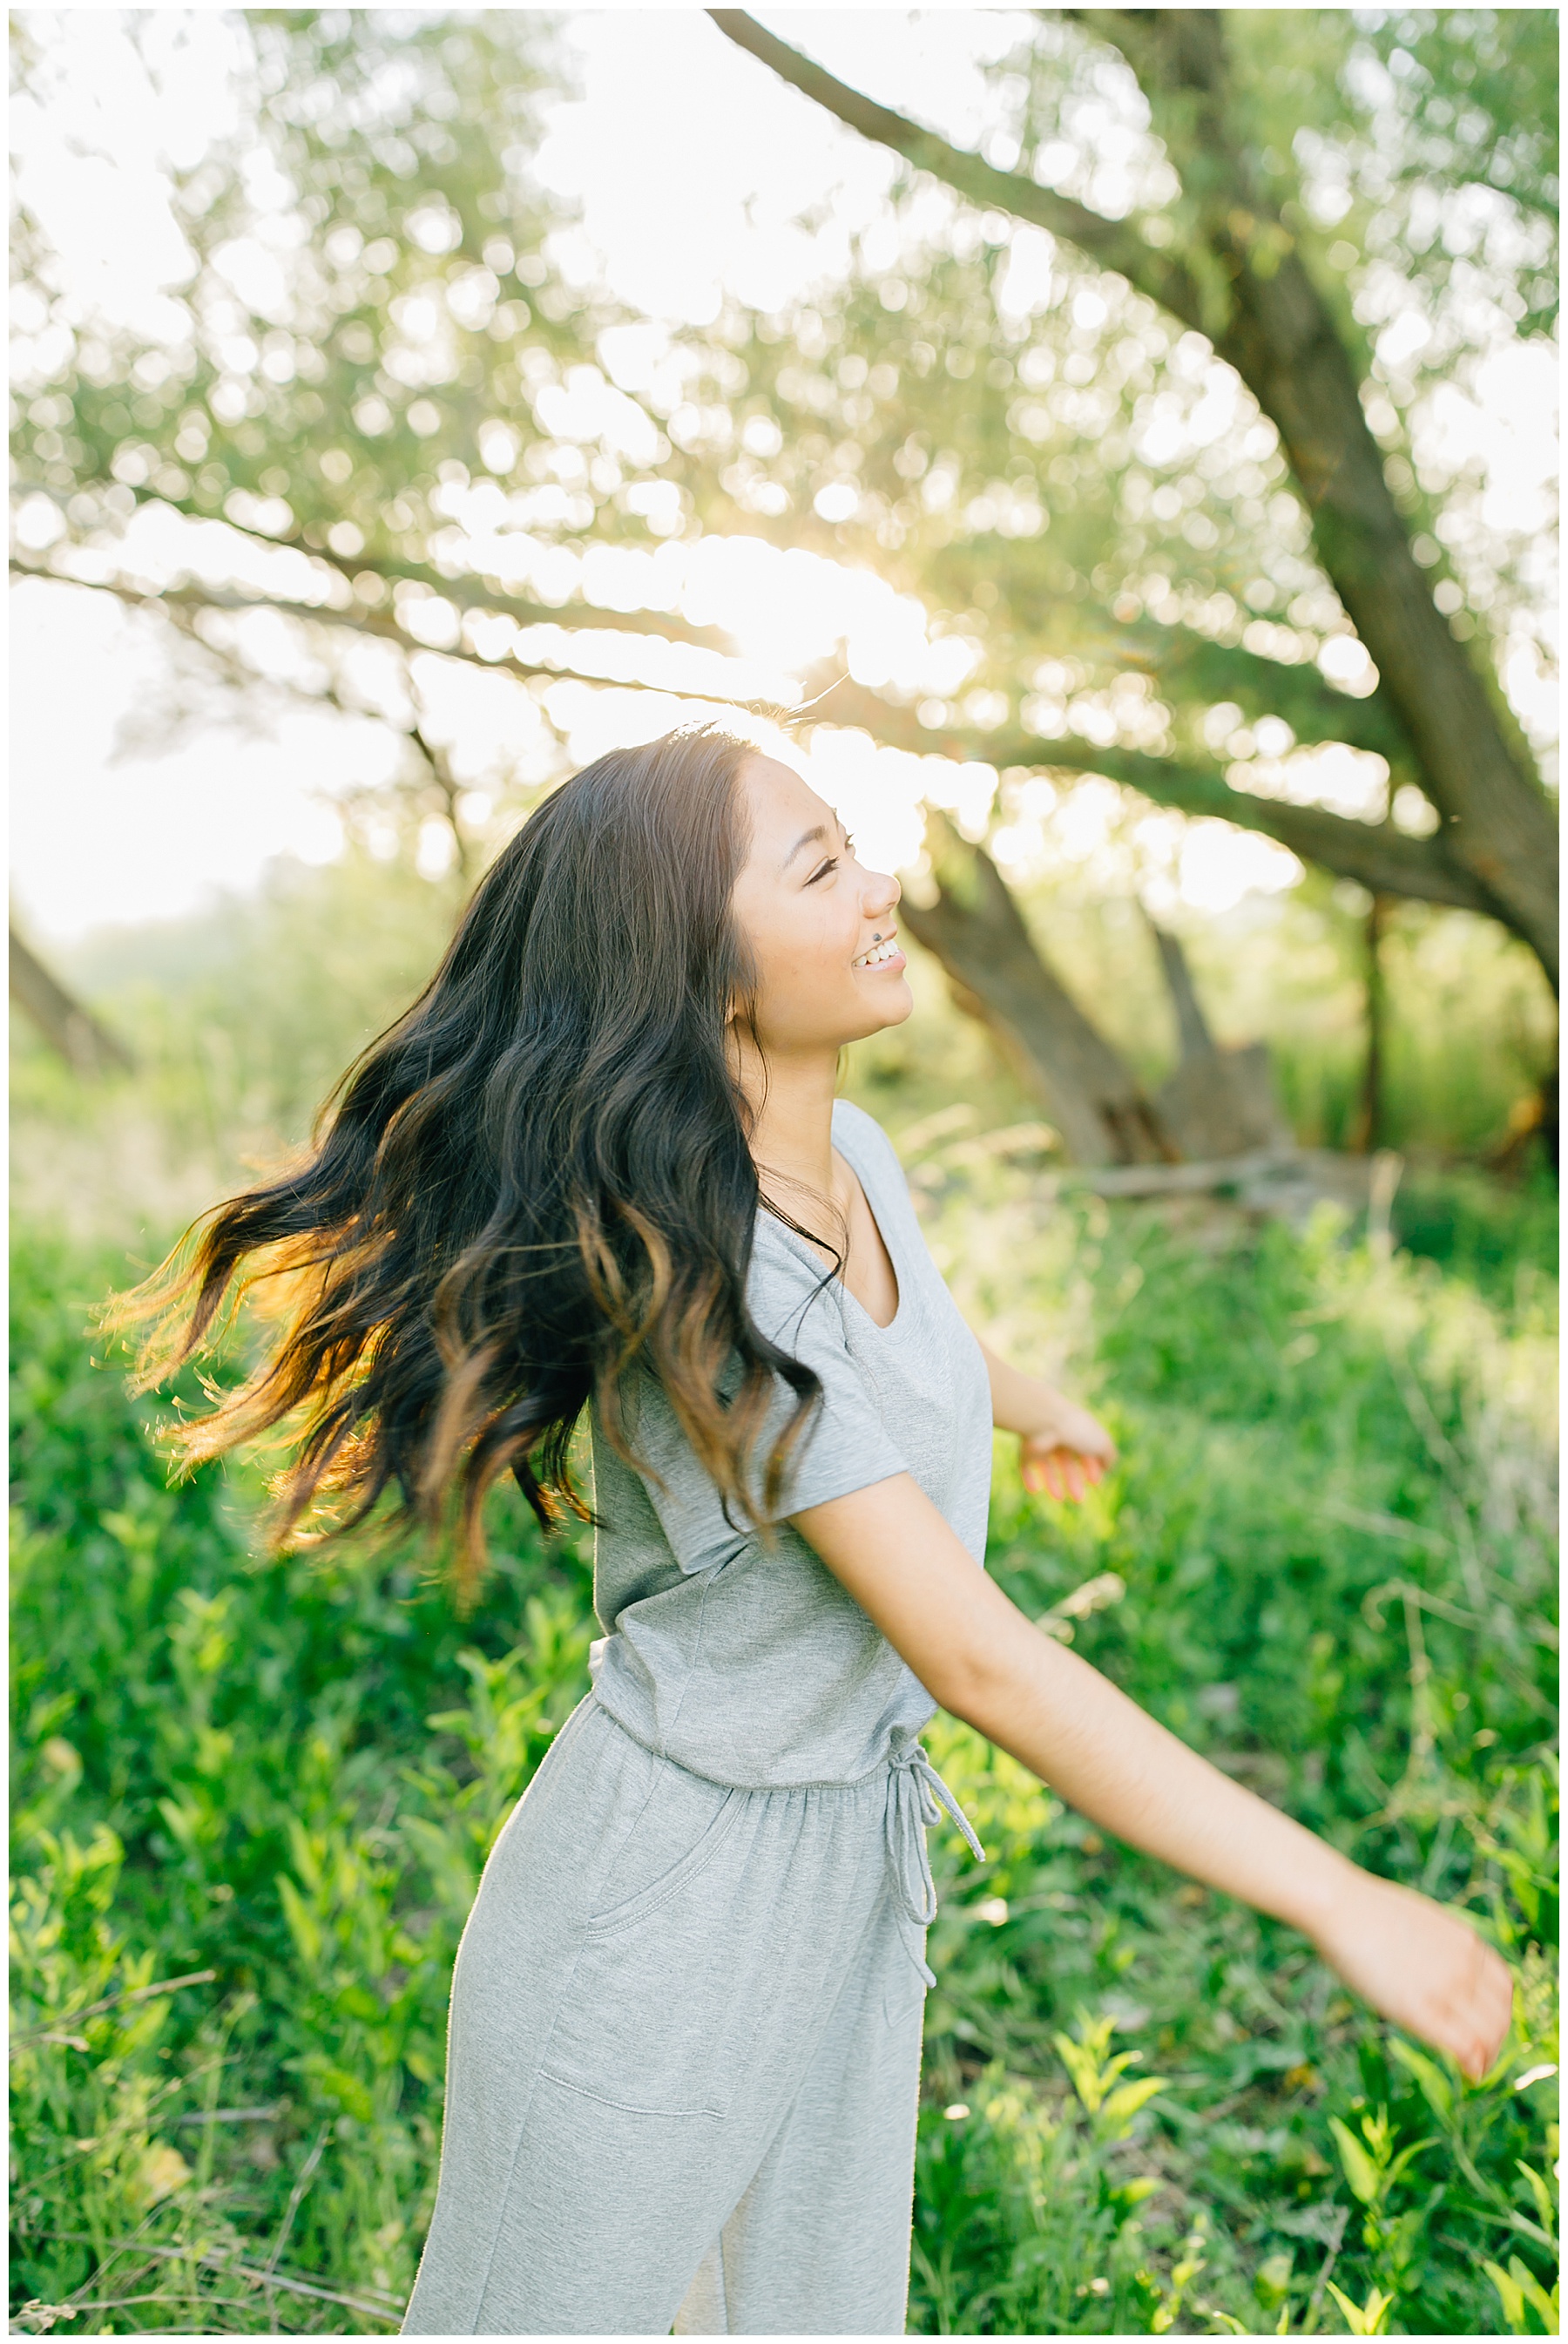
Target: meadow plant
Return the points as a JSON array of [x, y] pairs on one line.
[[253, 1800]]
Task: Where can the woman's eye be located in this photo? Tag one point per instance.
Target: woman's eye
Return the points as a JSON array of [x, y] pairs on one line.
[[833, 861]]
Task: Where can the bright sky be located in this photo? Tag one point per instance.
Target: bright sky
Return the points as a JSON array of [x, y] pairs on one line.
[[149, 831]]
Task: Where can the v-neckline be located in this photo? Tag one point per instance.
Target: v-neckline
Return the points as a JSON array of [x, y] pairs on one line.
[[893, 1262]]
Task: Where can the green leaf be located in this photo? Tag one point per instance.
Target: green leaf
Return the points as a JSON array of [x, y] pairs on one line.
[[348, 2091], [1360, 2171], [1513, 2298], [1518, 2288], [355, 2001], [1434, 2086], [303, 1925], [1272, 2280], [1133, 2193], [1123, 2103], [1534, 2294], [1364, 2320], [1542, 2195], [1397, 2169]]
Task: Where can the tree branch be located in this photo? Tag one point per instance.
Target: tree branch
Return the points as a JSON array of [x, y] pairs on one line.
[[479, 590], [1185, 664], [1113, 243], [69, 1028], [389, 629], [1313, 708], [976, 930], [1386, 860]]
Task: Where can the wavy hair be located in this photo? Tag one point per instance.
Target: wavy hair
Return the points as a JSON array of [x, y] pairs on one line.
[[536, 1184]]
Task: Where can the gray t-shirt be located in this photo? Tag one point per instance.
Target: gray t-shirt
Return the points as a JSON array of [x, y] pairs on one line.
[[753, 1665]]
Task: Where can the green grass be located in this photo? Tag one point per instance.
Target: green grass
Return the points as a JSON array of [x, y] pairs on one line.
[[1331, 1532]]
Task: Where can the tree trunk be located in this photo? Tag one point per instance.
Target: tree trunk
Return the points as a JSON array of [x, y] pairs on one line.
[[68, 1028], [1217, 1103], [976, 932], [1496, 823]]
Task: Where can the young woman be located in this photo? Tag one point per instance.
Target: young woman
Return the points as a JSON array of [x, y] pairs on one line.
[[600, 1167]]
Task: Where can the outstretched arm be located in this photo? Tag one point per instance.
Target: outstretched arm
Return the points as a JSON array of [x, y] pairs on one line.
[[978, 1655]]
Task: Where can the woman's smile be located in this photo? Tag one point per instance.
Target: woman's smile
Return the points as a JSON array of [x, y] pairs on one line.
[[884, 954]]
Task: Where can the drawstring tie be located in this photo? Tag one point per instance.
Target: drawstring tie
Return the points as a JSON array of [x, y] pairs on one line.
[[914, 1790]]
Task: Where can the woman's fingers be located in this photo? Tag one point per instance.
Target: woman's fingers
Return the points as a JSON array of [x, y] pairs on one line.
[[1485, 2013], [1063, 1473]]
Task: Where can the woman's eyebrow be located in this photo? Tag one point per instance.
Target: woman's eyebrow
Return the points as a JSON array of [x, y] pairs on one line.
[[818, 830], [804, 840]]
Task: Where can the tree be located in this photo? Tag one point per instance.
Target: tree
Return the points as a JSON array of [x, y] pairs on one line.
[[1231, 255], [418, 431]]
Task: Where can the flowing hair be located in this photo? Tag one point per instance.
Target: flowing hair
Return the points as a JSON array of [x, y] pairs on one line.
[[532, 1187]]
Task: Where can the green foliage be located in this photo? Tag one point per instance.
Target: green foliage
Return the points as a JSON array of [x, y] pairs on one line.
[[1331, 1536], [1324, 1559], [277, 1782], [243, 1020], [1478, 92], [358, 300]]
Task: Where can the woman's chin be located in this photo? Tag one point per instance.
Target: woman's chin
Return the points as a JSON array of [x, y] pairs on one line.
[[890, 1005]]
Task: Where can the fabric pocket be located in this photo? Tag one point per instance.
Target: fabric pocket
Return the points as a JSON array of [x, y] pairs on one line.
[[653, 2022], [622, 1906]]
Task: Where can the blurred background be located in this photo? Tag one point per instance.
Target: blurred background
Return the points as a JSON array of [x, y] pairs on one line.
[[1127, 438]]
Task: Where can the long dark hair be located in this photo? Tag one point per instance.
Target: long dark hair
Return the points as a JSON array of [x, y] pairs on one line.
[[533, 1184]]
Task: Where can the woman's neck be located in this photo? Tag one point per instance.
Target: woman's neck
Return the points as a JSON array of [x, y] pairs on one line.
[[792, 1136]]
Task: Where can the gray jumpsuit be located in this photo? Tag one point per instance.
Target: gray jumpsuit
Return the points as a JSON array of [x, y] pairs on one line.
[[683, 2059]]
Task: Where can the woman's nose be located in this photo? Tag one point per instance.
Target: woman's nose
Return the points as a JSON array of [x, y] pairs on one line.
[[883, 892]]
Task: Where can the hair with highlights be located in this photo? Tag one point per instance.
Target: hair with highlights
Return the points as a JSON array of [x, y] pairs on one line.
[[534, 1186]]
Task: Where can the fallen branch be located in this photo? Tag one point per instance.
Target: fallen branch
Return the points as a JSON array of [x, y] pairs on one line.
[[1279, 1168]]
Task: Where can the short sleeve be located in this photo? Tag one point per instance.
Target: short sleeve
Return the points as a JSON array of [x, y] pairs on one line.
[[844, 1447]]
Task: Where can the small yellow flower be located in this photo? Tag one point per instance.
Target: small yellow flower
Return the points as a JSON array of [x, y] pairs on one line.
[[163, 2171]]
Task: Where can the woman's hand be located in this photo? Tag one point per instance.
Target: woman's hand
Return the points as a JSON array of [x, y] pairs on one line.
[[1421, 1966], [1066, 1449]]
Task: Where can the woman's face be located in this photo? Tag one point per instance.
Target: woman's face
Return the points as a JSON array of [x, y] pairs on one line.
[[818, 922]]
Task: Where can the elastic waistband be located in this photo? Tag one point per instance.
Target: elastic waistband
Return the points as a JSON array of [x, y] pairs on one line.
[[916, 1797], [730, 1781]]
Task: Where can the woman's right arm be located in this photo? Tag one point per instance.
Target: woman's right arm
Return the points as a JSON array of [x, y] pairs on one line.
[[978, 1655]]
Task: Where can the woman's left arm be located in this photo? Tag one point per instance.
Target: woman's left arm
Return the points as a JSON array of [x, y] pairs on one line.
[[1063, 1448]]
